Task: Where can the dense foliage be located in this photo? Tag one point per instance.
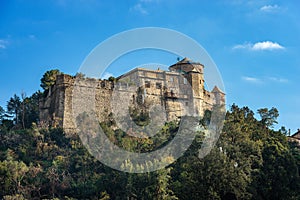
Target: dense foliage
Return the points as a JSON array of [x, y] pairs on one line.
[[49, 79], [250, 161]]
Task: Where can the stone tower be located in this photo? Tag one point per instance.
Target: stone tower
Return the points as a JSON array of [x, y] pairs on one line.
[[193, 72], [180, 91]]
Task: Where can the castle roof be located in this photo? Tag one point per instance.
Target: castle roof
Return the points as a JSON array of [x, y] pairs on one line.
[[217, 90], [187, 65], [146, 70], [296, 135], [187, 61]]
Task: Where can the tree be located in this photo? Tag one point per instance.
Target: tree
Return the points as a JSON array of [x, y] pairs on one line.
[[14, 107], [162, 190], [278, 177], [2, 113], [249, 161], [30, 110], [23, 96], [25, 110], [113, 79], [14, 172], [268, 117], [49, 78]]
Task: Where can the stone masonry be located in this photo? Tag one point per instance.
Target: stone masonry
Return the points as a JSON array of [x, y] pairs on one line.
[[179, 91]]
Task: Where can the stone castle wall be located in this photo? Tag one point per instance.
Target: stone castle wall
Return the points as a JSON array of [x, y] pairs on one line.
[[177, 94], [56, 109]]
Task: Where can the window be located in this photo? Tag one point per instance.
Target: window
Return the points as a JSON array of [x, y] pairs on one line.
[[186, 103], [147, 84], [171, 79], [185, 81], [158, 85]]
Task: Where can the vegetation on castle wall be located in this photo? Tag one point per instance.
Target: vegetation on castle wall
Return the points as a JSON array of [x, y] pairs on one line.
[[139, 116], [49, 78], [250, 160]]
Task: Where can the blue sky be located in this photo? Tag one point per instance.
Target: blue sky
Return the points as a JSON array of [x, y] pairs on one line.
[[255, 44]]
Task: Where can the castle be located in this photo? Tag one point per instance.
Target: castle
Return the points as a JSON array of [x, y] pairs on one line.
[[179, 91]]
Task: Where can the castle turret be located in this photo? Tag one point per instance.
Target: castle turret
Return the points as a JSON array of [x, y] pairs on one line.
[[219, 96], [176, 95], [193, 72]]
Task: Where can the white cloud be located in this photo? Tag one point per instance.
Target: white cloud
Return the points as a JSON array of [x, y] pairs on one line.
[[268, 79], [260, 46], [251, 79], [270, 8], [267, 45], [243, 46], [279, 80], [106, 75], [3, 44], [139, 8]]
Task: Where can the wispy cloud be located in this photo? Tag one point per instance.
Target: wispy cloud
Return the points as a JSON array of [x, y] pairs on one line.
[[243, 46], [260, 46], [251, 79], [139, 8], [267, 79], [270, 8], [278, 80], [3, 44]]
